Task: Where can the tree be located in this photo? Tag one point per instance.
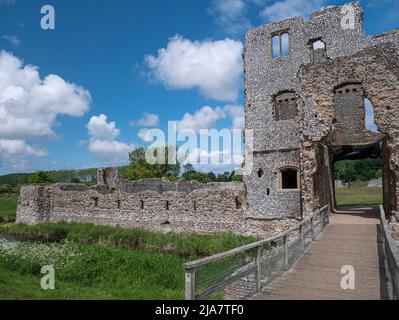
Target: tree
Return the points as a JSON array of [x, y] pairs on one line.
[[40, 177], [224, 177], [346, 173], [188, 167], [140, 168], [235, 176], [196, 176], [75, 180]]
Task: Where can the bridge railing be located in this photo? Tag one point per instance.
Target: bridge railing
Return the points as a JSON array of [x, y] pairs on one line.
[[391, 255], [242, 272]]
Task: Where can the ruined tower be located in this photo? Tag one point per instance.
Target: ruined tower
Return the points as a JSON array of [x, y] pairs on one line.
[[305, 85]]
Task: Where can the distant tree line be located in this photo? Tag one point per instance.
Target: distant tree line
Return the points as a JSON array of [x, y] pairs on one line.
[[138, 168], [81, 176], [11, 183], [358, 170]]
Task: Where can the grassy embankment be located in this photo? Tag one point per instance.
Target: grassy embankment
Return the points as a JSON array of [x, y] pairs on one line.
[[94, 262]]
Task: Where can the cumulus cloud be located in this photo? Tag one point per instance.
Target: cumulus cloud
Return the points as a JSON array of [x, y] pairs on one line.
[[29, 106], [142, 133], [213, 67], [206, 118], [290, 8], [237, 114], [230, 15], [103, 143], [12, 39], [214, 160], [148, 120]]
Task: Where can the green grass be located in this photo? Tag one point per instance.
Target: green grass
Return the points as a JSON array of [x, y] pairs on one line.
[[185, 245], [358, 195], [8, 206], [95, 262], [100, 272], [14, 286]]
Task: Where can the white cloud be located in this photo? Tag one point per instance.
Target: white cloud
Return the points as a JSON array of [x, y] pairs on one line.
[[16, 152], [206, 118], [237, 114], [148, 120], [290, 8], [230, 15], [142, 133], [12, 39], [103, 143], [29, 106], [214, 67], [100, 129], [207, 161]]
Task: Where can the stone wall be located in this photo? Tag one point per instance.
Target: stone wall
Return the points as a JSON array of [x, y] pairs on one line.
[[154, 204]]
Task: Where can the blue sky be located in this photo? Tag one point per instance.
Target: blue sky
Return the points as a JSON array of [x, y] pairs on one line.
[[112, 69]]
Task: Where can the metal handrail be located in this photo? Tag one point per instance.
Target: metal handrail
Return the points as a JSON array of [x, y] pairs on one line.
[[391, 254], [190, 267]]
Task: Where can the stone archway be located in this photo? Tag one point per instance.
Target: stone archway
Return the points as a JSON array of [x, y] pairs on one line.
[[377, 70]]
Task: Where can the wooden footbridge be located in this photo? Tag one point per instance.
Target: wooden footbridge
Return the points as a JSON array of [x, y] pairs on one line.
[[348, 255]]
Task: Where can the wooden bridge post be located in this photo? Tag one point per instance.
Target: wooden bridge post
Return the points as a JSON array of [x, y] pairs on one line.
[[259, 268], [285, 245], [301, 238], [312, 229], [190, 284]]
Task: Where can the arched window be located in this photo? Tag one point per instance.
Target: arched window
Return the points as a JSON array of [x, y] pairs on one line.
[[285, 44], [289, 178], [276, 47], [280, 45], [319, 50]]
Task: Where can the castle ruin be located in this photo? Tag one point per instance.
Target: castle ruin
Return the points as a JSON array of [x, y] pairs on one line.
[[305, 87]]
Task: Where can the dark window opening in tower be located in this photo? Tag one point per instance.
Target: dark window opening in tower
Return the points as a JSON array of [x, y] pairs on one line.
[[289, 179]]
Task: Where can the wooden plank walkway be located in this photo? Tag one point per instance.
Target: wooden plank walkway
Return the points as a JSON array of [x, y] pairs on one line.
[[352, 238]]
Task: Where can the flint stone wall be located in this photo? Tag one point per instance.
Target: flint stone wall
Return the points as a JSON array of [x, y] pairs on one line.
[[153, 204], [367, 65]]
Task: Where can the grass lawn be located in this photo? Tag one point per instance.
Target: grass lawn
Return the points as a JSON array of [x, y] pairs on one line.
[[95, 262], [8, 206], [358, 196]]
